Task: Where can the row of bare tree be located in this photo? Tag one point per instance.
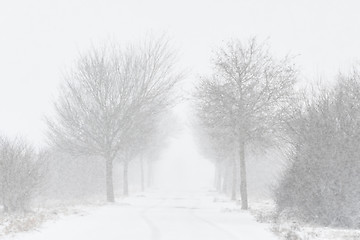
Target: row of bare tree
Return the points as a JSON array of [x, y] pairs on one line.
[[240, 107], [250, 103], [111, 106], [110, 103]]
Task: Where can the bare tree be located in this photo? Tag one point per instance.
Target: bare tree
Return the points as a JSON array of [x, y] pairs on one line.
[[104, 93], [249, 90], [214, 135], [144, 135], [149, 135]]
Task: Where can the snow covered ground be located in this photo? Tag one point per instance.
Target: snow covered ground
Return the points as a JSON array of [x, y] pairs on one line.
[[288, 227], [154, 216]]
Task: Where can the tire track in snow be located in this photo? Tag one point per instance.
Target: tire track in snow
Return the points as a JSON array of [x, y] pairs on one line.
[[155, 231], [208, 222], [191, 210]]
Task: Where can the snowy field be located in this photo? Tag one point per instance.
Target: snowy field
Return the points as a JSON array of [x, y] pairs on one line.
[[154, 216]]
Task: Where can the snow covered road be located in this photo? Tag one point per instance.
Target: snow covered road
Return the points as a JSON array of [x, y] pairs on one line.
[[157, 216]]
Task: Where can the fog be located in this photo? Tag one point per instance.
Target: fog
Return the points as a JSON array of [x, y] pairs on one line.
[[41, 40], [174, 120], [181, 167]]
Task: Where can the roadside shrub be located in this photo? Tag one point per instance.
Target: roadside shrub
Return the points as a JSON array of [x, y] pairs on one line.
[[21, 174], [322, 182]]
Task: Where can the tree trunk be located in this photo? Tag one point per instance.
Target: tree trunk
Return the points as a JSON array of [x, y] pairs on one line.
[[234, 180], [125, 179], [109, 180], [243, 184], [225, 182], [142, 174], [149, 174], [218, 176]]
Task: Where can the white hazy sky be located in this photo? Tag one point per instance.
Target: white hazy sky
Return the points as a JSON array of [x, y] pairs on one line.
[[40, 38]]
